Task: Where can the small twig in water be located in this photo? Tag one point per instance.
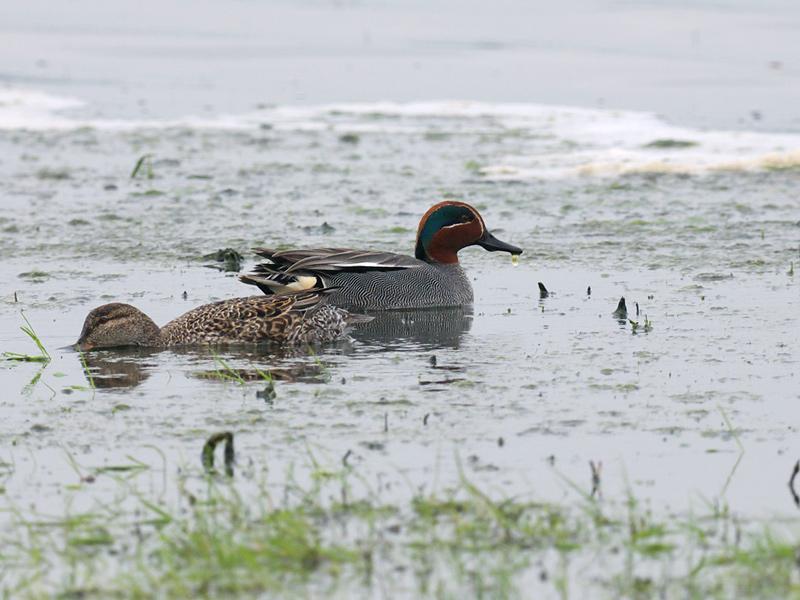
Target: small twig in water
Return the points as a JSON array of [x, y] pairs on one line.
[[596, 469], [795, 471]]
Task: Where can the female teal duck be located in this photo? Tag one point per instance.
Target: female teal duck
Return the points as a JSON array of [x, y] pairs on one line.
[[383, 280], [296, 318]]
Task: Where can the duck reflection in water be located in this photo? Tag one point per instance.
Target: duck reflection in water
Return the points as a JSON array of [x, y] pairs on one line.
[[428, 327], [128, 367], [123, 368]]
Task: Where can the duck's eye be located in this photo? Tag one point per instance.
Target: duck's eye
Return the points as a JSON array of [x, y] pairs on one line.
[[465, 218]]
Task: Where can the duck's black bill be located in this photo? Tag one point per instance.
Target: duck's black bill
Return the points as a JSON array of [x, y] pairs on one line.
[[492, 244]]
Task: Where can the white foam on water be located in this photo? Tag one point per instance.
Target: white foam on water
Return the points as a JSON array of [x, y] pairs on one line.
[[24, 109], [551, 142]]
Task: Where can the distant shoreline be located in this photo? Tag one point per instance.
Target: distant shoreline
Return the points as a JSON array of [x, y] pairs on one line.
[[703, 67]]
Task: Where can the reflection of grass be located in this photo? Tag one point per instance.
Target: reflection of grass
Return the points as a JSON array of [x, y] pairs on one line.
[[43, 356], [225, 538]]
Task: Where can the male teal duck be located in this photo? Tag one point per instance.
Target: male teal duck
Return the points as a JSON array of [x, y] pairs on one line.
[[372, 280], [296, 318]]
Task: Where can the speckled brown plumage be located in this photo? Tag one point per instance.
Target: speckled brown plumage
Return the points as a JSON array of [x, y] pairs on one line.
[[298, 318]]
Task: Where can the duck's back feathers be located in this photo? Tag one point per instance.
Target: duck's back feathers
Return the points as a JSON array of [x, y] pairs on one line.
[[337, 259], [296, 270], [292, 318]]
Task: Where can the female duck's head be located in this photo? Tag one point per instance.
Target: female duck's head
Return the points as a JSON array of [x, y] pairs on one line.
[[115, 325], [450, 226]]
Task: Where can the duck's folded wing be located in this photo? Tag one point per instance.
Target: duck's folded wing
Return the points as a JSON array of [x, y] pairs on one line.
[[294, 270], [338, 259]]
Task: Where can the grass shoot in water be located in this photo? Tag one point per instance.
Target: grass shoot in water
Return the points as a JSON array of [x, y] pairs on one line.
[[43, 356], [146, 161]]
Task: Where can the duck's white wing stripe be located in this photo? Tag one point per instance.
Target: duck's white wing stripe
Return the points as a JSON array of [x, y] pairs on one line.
[[344, 260]]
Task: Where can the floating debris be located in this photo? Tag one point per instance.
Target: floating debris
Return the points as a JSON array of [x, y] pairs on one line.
[[325, 229], [543, 293], [713, 276], [670, 143], [349, 138], [34, 276], [589, 291], [53, 174], [622, 310], [446, 381], [229, 259], [268, 394]]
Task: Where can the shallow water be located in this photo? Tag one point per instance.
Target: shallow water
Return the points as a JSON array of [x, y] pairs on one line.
[[706, 257], [699, 228]]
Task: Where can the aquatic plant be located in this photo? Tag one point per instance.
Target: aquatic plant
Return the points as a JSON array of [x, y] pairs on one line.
[[143, 164], [42, 357], [208, 452], [315, 532], [647, 326]]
